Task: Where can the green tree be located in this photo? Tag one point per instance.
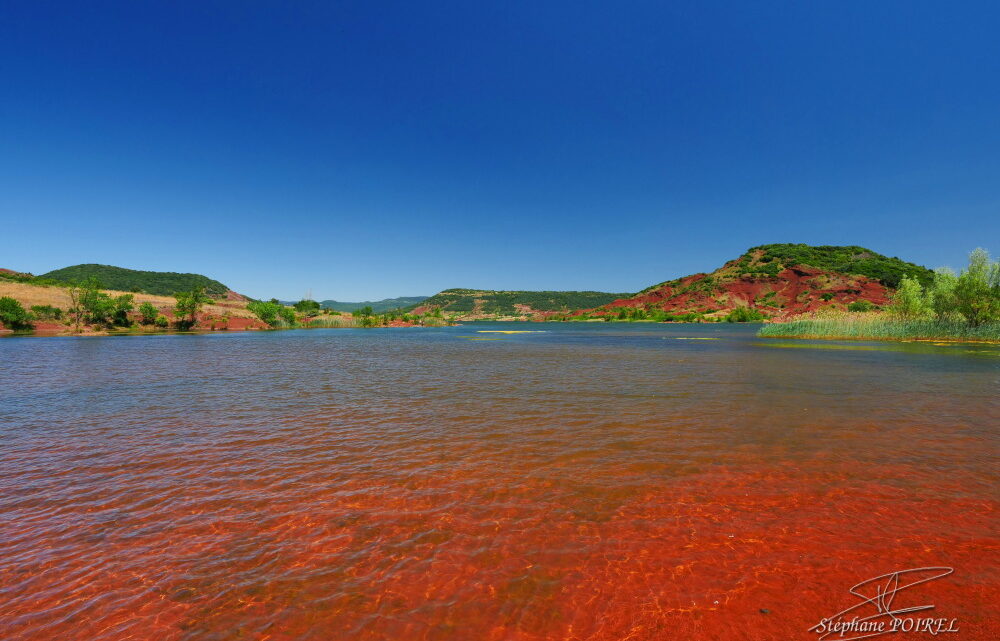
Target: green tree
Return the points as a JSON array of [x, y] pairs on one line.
[[909, 300], [941, 294], [121, 306], [188, 305], [148, 313], [75, 293], [13, 315], [97, 306], [977, 290]]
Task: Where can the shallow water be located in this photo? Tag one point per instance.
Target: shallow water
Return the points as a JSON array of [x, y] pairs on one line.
[[593, 481]]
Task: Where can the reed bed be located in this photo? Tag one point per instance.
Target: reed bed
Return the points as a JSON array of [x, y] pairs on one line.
[[881, 326], [334, 321]]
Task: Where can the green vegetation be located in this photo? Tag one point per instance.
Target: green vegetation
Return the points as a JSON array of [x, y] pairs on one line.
[[505, 303], [964, 307], [273, 313], [881, 326], [861, 306], [12, 315], [744, 315], [46, 312], [98, 308], [131, 280], [30, 279], [307, 307], [188, 305], [845, 259], [148, 313]]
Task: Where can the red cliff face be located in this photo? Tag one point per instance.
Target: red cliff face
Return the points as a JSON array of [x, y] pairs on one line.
[[793, 290]]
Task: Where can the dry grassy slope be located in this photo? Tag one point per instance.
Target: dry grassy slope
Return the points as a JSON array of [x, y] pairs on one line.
[[29, 295]]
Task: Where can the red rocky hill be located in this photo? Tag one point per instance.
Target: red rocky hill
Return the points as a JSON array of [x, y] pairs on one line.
[[778, 281]]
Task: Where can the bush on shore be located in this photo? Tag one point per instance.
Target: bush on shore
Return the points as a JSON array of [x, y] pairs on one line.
[[13, 315], [46, 312], [148, 313], [273, 313], [744, 315]]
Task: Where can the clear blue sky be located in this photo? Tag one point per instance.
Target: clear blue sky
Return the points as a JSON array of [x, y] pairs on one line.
[[370, 149]]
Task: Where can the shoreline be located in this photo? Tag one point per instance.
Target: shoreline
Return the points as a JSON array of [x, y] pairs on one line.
[[883, 339]]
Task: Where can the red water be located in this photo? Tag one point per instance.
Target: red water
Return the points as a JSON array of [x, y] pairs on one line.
[[582, 484]]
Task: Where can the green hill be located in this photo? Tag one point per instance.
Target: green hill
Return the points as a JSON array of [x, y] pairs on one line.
[[505, 303], [131, 280]]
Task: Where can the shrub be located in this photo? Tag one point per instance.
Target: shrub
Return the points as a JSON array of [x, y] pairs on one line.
[[148, 313], [287, 314], [827, 296], [308, 307], [273, 313], [161, 321], [12, 315], [265, 311], [861, 306], [744, 315], [46, 312]]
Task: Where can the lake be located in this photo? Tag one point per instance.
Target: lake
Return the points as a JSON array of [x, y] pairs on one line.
[[580, 482]]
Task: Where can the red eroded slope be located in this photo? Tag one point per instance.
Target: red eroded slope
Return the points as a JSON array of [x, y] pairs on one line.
[[794, 290]]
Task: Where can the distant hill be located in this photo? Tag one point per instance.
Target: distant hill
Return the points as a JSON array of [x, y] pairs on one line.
[[132, 280], [479, 303], [378, 306], [779, 280]]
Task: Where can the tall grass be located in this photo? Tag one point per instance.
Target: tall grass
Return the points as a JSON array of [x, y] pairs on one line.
[[880, 326], [334, 321]]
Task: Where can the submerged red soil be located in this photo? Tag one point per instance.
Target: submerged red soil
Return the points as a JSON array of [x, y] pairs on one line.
[[699, 559]]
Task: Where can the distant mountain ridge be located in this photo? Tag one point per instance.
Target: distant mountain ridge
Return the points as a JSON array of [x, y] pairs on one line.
[[469, 304], [133, 280], [378, 306]]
